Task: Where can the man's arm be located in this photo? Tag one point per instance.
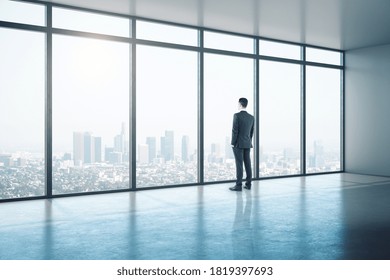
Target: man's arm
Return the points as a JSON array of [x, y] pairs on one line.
[[234, 130], [252, 128]]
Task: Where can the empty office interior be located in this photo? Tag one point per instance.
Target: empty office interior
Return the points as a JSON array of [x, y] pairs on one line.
[[116, 124]]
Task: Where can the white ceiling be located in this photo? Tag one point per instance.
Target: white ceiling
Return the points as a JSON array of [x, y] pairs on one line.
[[339, 24]]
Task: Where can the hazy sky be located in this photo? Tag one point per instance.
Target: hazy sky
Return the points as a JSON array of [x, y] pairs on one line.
[[90, 89], [22, 90]]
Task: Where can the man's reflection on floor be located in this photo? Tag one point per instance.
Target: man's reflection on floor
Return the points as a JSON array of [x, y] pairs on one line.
[[242, 239]]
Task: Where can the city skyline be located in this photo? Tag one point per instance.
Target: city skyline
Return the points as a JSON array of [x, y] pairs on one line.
[[87, 149], [113, 173]]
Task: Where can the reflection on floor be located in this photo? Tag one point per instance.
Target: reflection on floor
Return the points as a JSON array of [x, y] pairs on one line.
[[337, 216]]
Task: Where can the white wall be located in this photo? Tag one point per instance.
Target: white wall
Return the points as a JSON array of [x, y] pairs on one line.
[[367, 111]]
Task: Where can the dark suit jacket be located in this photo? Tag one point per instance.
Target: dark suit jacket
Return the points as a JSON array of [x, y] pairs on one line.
[[242, 132]]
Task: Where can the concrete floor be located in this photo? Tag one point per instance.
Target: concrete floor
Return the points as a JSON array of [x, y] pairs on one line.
[[331, 217]]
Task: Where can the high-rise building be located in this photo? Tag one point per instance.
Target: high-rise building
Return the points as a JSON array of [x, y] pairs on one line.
[[98, 149], [119, 143], [86, 148], [107, 154], [185, 148], [152, 153], [89, 148], [167, 146], [116, 157], [162, 147], [78, 148]]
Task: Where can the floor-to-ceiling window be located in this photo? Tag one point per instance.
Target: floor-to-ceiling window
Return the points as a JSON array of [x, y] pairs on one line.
[[280, 109], [91, 88], [22, 113], [22, 101], [167, 88], [323, 150], [280, 115], [226, 79], [323, 115]]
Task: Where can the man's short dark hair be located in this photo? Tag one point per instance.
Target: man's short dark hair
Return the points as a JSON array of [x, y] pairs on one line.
[[243, 101]]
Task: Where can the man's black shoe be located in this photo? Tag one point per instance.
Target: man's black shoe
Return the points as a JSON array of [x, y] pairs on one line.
[[236, 188], [248, 187]]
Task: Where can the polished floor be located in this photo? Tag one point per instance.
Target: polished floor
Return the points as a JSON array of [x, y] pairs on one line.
[[326, 217]]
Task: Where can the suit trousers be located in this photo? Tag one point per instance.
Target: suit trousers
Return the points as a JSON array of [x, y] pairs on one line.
[[242, 157]]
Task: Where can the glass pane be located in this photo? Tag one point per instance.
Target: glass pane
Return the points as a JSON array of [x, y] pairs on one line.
[[323, 56], [167, 86], [21, 12], [22, 101], [90, 115], [226, 42], [223, 86], [270, 48], [323, 119], [91, 22], [166, 33], [280, 109]]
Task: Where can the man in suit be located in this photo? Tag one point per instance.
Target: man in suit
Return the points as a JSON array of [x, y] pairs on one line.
[[242, 134]]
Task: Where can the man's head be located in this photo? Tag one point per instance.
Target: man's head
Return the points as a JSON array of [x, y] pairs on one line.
[[243, 102]]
